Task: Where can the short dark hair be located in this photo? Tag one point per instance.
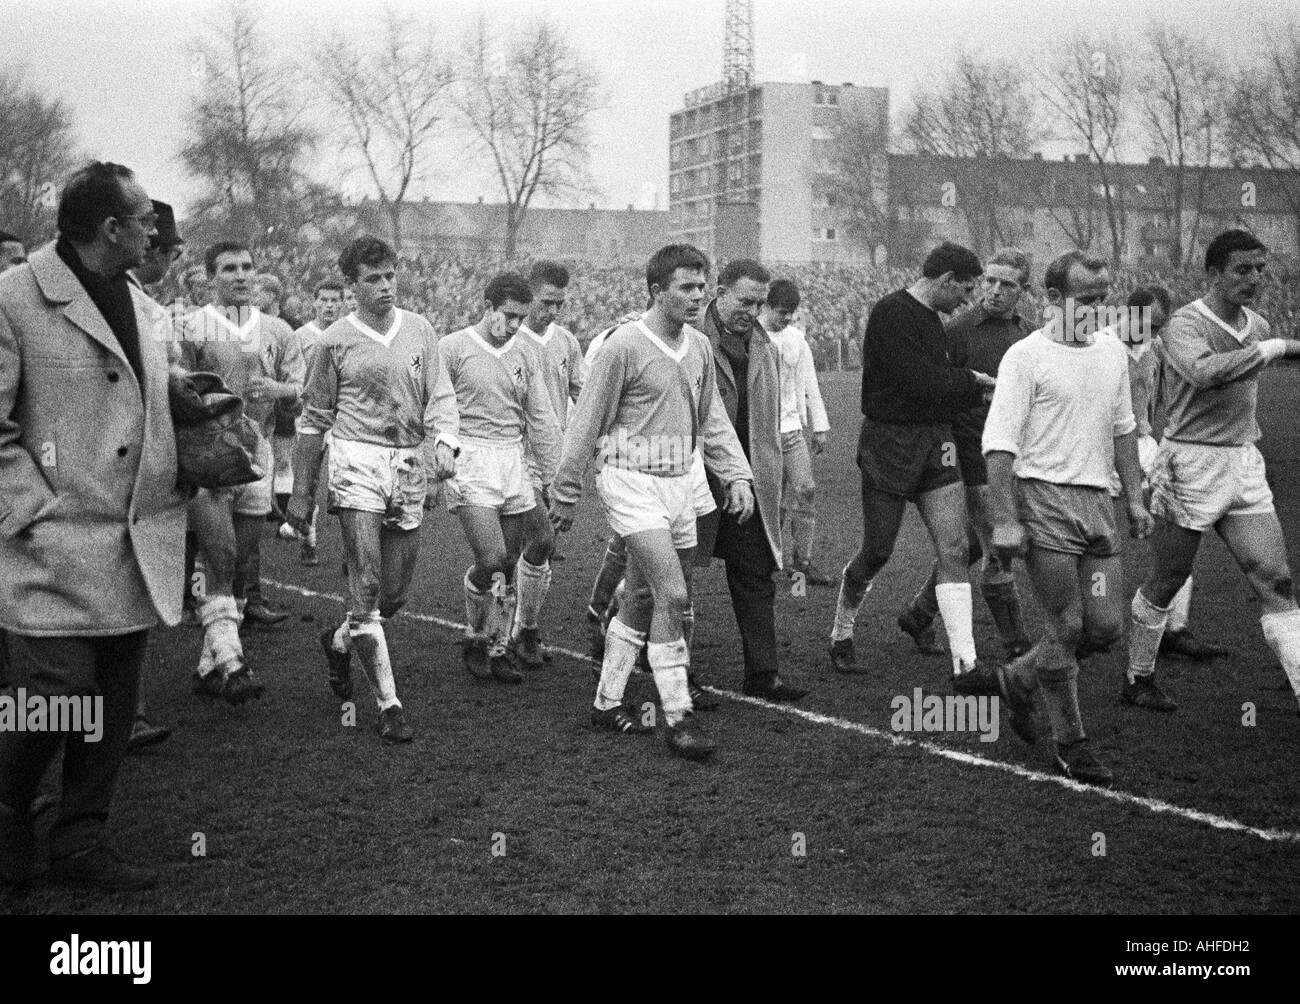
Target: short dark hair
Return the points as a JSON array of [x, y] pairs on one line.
[[333, 284], [783, 294], [365, 250], [90, 196], [214, 251], [1144, 296], [7, 238], [1220, 249], [1057, 276], [743, 268], [508, 286], [667, 260], [549, 273], [962, 262]]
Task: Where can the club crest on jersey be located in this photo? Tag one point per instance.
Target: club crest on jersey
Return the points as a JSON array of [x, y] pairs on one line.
[[518, 374], [416, 365]]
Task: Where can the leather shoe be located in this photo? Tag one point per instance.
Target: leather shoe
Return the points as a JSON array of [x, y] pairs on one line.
[[144, 734], [774, 689], [259, 612], [102, 868], [1184, 643], [843, 660]]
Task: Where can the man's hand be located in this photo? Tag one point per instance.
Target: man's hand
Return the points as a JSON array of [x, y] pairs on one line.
[[262, 389], [818, 443], [298, 513], [444, 462], [1010, 541], [740, 500], [561, 515], [1141, 523]]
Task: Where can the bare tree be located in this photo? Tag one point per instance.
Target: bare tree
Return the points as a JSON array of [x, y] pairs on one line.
[[858, 182], [1183, 100], [1085, 87], [248, 140], [1264, 116], [36, 151], [528, 104], [392, 99], [982, 110]]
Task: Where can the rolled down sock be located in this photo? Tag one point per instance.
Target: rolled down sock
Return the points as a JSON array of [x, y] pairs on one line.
[[1282, 632], [531, 584], [1181, 607], [220, 617], [476, 610], [954, 600], [847, 605], [622, 646], [1058, 679], [342, 637], [670, 662], [371, 649], [1146, 629]]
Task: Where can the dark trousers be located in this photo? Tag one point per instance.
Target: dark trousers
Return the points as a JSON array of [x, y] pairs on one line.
[[750, 565], [70, 667]]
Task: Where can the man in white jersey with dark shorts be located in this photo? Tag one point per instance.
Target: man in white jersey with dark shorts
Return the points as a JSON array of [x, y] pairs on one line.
[[1208, 473], [504, 406], [650, 397], [376, 384], [1060, 423]]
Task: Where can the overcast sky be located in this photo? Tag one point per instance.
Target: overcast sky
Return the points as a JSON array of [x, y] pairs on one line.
[[124, 66]]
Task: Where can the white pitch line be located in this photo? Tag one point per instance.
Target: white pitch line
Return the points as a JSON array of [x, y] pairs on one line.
[[970, 759]]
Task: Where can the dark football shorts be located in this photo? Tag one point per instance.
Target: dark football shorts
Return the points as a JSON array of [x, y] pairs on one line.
[[1072, 519], [907, 460], [969, 436]]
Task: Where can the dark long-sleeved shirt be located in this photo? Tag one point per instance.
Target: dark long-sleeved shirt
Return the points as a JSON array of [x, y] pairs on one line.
[[907, 377], [978, 341], [111, 294]]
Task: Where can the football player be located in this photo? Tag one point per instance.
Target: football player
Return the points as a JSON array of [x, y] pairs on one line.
[[377, 386]]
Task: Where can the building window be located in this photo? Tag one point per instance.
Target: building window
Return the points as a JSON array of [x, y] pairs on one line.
[[825, 234], [675, 184]]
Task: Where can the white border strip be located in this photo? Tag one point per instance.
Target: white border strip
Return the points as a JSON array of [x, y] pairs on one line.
[[970, 759]]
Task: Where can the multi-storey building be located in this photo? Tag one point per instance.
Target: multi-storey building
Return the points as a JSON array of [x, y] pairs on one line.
[[750, 171]]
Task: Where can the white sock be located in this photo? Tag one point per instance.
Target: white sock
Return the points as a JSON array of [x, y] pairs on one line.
[[531, 584], [670, 662], [220, 618], [1180, 608], [1146, 629], [622, 646], [311, 531], [342, 638], [476, 610], [846, 611], [371, 650], [1282, 632], [954, 600]]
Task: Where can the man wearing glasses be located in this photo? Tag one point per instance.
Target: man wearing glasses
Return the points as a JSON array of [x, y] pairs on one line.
[[911, 393], [91, 521]]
